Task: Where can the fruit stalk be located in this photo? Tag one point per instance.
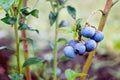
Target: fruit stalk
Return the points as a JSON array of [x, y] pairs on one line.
[[100, 28], [25, 46]]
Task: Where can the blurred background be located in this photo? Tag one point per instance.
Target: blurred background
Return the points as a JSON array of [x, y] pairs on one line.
[[106, 64]]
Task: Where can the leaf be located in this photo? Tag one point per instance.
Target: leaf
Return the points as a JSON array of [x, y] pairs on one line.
[[52, 17], [64, 58], [25, 11], [71, 75], [4, 47], [26, 27], [16, 76], [35, 13], [72, 11], [74, 28], [32, 61], [62, 39], [64, 23], [9, 20], [51, 44], [64, 30], [75, 35], [6, 4], [30, 41], [78, 24]]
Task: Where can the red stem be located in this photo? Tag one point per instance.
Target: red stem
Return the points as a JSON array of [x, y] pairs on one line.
[[25, 46]]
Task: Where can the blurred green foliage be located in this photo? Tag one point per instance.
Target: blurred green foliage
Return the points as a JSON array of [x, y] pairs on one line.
[[111, 43]]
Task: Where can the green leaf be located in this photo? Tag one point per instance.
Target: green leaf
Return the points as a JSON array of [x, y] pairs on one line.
[[64, 23], [30, 41], [64, 58], [51, 44], [52, 17], [6, 4], [26, 27], [32, 61], [9, 20], [64, 30], [75, 35], [72, 11], [71, 75], [16, 76], [62, 39], [4, 47], [74, 28], [25, 11], [35, 13], [78, 24]]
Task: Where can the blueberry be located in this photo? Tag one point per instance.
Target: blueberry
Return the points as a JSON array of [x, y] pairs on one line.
[[69, 52], [87, 32], [62, 1], [99, 36], [90, 45], [80, 48], [72, 43]]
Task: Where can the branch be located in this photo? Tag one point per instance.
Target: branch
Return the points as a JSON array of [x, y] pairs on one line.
[[100, 28], [115, 2], [25, 45]]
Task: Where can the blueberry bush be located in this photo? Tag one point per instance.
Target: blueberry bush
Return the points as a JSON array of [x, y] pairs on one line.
[[66, 45]]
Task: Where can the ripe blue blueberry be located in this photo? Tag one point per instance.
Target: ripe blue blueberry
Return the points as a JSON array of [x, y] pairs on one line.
[[72, 43], [62, 1], [87, 32], [69, 52], [80, 48], [90, 45], [99, 36]]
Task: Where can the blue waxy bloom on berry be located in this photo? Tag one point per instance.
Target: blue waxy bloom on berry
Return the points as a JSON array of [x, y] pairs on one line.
[[69, 52], [87, 32], [72, 43], [90, 45], [99, 36], [80, 48]]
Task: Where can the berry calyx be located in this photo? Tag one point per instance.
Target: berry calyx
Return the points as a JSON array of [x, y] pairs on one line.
[[80, 48]]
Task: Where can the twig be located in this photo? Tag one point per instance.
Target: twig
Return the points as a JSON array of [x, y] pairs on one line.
[[100, 28], [25, 46]]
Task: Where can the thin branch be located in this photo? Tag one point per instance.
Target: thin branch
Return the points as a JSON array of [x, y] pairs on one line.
[[100, 28], [115, 2]]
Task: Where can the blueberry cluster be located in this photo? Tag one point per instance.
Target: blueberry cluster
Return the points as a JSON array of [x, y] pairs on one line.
[[78, 47]]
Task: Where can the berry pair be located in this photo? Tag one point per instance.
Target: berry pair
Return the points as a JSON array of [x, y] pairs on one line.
[[90, 32], [73, 48]]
